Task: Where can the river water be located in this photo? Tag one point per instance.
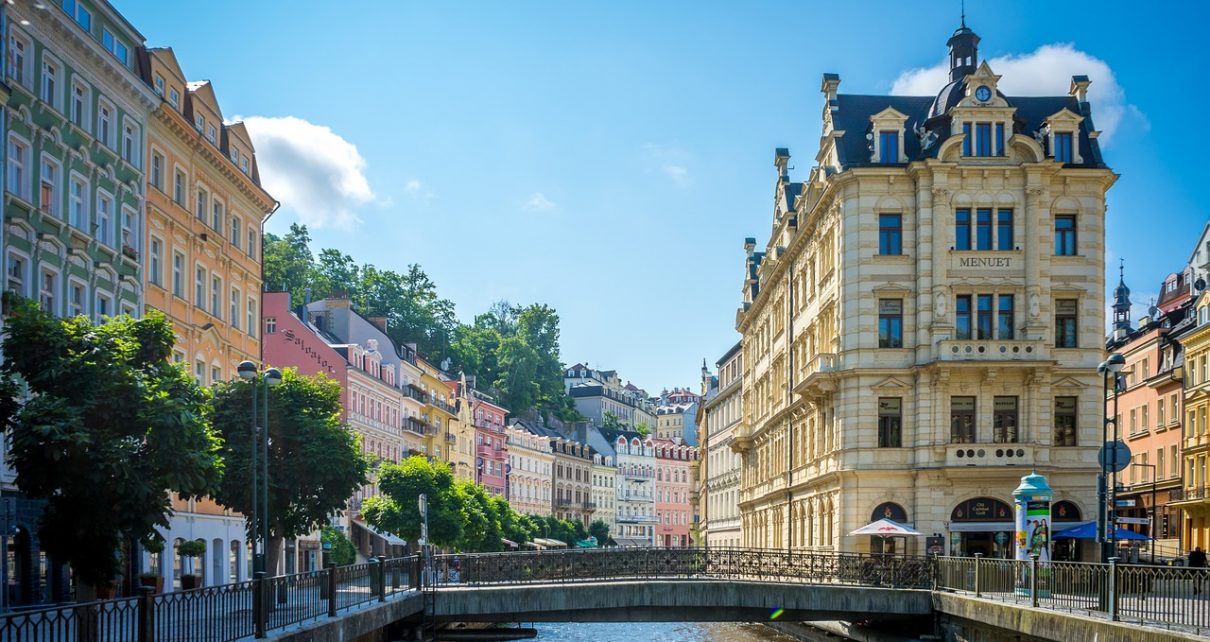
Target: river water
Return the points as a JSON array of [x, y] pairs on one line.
[[657, 632]]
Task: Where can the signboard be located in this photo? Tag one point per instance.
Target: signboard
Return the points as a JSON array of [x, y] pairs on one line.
[[981, 509], [1114, 456], [1143, 521], [1125, 503]]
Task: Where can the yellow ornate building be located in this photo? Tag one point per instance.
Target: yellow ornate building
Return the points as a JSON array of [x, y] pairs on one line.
[[924, 325], [205, 213], [444, 442], [1194, 498]]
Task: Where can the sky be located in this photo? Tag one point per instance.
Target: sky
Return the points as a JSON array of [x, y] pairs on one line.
[[609, 158]]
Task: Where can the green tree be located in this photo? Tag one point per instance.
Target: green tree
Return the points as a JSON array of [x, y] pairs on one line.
[[610, 421], [643, 429], [600, 530], [101, 425], [397, 509], [315, 462], [482, 531], [288, 264], [342, 551]]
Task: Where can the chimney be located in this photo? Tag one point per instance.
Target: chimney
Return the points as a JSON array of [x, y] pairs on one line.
[[379, 322]]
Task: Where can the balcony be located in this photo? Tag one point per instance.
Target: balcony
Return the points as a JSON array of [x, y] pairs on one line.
[[564, 503], [817, 375], [418, 426], [988, 455], [589, 507], [983, 350], [451, 438], [489, 452], [1189, 495], [637, 519]]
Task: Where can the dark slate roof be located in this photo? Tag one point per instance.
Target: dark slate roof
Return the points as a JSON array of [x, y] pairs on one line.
[[792, 192], [854, 111]]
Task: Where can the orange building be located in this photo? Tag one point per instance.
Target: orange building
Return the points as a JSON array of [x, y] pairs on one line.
[[205, 213]]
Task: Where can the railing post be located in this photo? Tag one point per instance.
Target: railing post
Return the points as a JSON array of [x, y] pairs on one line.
[[330, 584], [381, 578], [1112, 581], [146, 614], [86, 622], [978, 584], [259, 614], [1033, 579], [414, 577], [396, 571]]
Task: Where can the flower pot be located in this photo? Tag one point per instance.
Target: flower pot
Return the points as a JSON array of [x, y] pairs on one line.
[[154, 581], [105, 590], [190, 582]]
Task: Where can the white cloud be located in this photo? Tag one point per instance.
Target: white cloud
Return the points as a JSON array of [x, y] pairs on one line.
[[670, 160], [538, 203], [1045, 72], [417, 190], [310, 169]]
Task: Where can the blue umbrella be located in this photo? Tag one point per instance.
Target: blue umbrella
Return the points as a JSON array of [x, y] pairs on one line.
[[1089, 531]]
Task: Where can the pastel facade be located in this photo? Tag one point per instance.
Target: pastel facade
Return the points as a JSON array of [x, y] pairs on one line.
[[572, 480], [1194, 498], [924, 325], [452, 442], [636, 512], [531, 472], [491, 447], [605, 490], [672, 507], [723, 412]]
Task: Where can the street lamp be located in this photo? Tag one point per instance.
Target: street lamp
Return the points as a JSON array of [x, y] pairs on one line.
[[1111, 366], [260, 491]]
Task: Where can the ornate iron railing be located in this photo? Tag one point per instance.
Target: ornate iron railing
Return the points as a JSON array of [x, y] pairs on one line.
[[1162, 596]]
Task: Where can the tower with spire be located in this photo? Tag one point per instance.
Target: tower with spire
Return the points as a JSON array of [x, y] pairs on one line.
[[1121, 305], [964, 51]]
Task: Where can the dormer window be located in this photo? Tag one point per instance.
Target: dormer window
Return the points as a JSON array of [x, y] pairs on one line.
[[1063, 147], [888, 147]]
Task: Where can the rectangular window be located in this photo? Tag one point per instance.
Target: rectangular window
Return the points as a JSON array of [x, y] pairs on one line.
[[890, 422], [199, 372], [963, 316], [983, 319], [271, 325], [1066, 326], [1065, 235], [962, 420], [155, 261], [48, 287], [115, 46], [159, 85], [243, 164], [1004, 420], [983, 139], [983, 229], [178, 274], [1004, 229], [17, 59], [1005, 317], [77, 203], [129, 147], [962, 229], [49, 194], [178, 187], [104, 217], [999, 139], [18, 159], [1065, 421], [50, 83], [104, 306], [105, 124], [157, 171], [199, 288], [216, 297], [1063, 147], [203, 204], [129, 239], [890, 323], [216, 216], [966, 139], [79, 105], [252, 242], [235, 300], [235, 232], [16, 274], [216, 374], [888, 147], [75, 300], [211, 134], [890, 234], [174, 98], [251, 317]]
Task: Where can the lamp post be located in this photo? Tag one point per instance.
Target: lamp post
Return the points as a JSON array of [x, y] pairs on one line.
[[1111, 366], [260, 469]]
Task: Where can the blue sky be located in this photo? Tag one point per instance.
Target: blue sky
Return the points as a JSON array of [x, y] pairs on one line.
[[608, 159]]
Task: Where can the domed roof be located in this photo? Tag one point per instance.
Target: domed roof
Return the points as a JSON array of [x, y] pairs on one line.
[[950, 95]]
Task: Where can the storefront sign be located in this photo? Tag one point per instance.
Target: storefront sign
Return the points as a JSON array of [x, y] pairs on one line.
[[985, 261], [981, 509]]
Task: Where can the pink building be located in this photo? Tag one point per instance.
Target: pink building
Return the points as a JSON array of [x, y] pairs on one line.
[[491, 442], [672, 508]]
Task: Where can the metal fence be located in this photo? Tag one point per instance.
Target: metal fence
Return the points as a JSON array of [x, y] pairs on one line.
[[619, 564], [217, 613], [1163, 596]]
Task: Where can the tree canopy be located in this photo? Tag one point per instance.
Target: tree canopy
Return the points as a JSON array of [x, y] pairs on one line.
[[511, 350], [315, 462], [102, 427]]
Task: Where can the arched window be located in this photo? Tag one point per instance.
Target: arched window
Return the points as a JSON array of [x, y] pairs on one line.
[[1065, 511], [891, 511]]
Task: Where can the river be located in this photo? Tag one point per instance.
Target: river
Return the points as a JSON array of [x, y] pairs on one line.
[[658, 632]]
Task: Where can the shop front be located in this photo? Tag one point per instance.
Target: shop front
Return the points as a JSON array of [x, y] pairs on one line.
[[982, 525], [1065, 515], [895, 544]]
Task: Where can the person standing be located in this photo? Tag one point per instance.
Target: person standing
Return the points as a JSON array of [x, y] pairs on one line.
[[1197, 565]]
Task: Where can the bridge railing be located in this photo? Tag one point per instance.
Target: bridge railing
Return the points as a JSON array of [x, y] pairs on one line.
[[619, 564], [1165, 596], [217, 613]]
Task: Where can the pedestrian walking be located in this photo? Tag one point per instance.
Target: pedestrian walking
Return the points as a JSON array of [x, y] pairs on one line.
[[1197, 564]]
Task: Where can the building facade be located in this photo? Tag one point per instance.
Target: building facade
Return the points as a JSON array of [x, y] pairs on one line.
[[491, 447], [452, 443], [636, 516], [672, 507], [599, 394], [605, 491], [722, 411], [530, 472], [1194, 498], [925, 322]]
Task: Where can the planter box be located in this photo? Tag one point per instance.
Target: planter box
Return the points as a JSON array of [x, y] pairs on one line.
[[190, 582]]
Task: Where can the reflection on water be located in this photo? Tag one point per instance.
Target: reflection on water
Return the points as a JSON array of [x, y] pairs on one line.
[[658, 632]]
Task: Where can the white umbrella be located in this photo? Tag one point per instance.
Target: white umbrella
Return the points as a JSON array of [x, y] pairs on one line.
[[885, 528]]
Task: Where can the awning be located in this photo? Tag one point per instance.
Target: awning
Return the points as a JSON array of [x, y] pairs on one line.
[[885, 528], [508, 542], [628, 541], [981, 527], [1089, 531], [391, 540], [542, 542]]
